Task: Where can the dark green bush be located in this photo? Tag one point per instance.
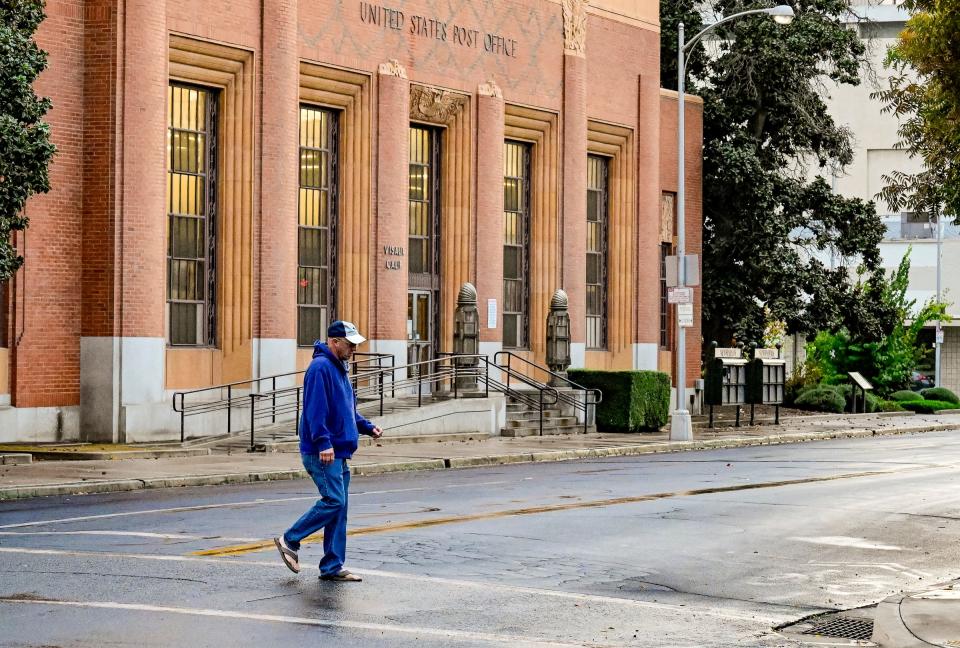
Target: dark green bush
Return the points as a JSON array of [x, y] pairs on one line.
[[940, 394], [905, 395], [889, 406], [632, 400], [928, 406], [821, 399]]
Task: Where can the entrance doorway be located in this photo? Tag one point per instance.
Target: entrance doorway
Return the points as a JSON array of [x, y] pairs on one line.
[[423, 293]]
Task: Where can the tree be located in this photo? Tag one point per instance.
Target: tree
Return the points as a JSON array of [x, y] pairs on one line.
[[924, 93], [765, 225], [673, 12], [887, 360], [25, 147]]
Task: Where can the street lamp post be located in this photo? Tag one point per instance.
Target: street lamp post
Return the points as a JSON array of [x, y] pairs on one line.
[[681, 428], [939, 331]]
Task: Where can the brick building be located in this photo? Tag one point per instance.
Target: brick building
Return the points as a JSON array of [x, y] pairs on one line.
[[231, 175]]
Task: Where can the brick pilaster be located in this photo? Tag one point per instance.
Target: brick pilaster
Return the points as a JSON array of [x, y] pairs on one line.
[[574, 212], [489, 230], [278, 216], [393, 123]]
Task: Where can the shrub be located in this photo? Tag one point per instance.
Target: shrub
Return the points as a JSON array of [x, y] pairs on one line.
[[822, 399], [632, 400], [928, 406], [889, 406], [905, 395], [940, 394]]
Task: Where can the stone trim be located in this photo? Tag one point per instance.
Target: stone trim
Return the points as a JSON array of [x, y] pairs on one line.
[[617, 143], [490, 89], [393, 67], [231, 70], [349, 92], [541, 128]]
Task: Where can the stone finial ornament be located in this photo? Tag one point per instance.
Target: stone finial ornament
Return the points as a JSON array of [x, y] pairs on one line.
[[559, 299], [575, 26], [393, 67], [467, 295]]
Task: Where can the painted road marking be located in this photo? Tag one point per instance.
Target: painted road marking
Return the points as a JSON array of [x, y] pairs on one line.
[[685, 610], [846, 541], [236, 550], [255, 502], [131, 534], [274, 618]]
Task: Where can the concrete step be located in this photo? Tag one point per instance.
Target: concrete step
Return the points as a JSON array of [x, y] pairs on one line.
[[547, 430], [293, 444], [548, 421]]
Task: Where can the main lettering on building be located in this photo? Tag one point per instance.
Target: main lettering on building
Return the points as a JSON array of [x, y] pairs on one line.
[[436, 29]]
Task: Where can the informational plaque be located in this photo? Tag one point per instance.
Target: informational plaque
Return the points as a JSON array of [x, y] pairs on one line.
[[860, 381], [766, 354], [728, 352], [491, 313], [679, 295]]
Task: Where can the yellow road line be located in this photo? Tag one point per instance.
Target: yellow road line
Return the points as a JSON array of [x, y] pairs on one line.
[[236, 550]]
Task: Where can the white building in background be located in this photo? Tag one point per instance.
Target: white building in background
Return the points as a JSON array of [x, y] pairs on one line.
[[875, 155]]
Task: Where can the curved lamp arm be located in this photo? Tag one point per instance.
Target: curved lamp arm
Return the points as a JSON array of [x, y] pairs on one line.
[[781, 13]]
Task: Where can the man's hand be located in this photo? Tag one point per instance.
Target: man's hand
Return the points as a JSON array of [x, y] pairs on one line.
[[376, 432], [326, 456]]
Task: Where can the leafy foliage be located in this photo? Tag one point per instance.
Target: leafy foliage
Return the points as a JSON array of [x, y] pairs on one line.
[[904, 395], [632, 400], [763, 221], [924, 93], [888, 360], [822, 399], [928, 406], [673, 12], [940, 394], [25, 147]]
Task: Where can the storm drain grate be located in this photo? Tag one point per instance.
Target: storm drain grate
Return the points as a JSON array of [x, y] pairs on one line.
[[843, 627]]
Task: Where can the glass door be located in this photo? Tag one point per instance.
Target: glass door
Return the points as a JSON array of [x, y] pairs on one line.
[[423, 241]]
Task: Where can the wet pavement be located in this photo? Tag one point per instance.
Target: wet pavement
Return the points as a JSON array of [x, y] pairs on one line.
[[712, 548]]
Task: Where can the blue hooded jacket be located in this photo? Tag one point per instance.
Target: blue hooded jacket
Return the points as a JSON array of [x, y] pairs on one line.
[[330, 418]]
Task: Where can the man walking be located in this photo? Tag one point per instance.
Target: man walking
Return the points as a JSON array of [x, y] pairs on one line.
[[328, 438]]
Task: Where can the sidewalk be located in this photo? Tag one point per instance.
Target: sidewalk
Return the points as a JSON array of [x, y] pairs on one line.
[[71, 477], [919, 620]]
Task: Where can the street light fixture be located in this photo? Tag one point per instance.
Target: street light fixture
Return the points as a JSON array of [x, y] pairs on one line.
[[681, 428]]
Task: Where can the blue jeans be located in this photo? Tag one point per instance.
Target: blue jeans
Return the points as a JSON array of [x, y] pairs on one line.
[[328, 513]]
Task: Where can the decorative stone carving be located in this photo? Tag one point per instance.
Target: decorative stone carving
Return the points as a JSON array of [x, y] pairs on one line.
[[490, 89], [393, 67], [434, 104], [574, 25]]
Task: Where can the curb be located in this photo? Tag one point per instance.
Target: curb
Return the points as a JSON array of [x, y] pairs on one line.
[[87, 488]]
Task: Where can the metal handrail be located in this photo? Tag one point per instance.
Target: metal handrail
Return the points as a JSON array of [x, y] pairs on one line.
[[207, 406], [576, 403]]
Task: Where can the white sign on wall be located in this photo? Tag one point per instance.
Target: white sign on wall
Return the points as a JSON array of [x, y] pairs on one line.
[[491, 313]]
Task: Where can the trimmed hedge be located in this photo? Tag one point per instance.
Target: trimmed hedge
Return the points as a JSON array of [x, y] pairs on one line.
[[940, 394], [890, 406], [928, 406], [632, 400], [905, 395], [822, 399]]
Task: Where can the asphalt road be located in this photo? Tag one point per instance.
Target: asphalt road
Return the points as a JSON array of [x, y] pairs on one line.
[[691, 549]]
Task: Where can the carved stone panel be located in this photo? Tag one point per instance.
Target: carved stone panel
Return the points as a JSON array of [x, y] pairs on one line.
[[434, 105], [574, 25]]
